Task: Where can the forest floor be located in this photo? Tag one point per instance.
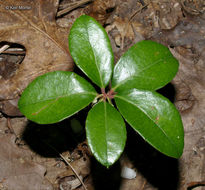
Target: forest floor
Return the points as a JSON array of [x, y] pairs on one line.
[[33, 41]]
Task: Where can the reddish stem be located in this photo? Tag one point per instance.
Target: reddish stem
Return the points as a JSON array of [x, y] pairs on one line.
[[109, 95], [104, 94]]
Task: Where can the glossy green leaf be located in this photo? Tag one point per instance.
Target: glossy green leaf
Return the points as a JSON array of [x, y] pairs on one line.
[[106, 133], [155, 118], [91, 50], [147, 65], [55, 96]]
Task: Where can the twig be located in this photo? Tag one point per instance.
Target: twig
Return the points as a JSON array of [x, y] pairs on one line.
[[72, 6], [125, 28], [17, 51], [143, 185], [81, 181], [194, 184], [3, 48], [10, 126], [73, 169], [137, 11], [142, 2]]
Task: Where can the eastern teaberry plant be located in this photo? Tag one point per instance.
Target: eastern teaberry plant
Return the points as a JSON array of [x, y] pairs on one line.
[[144, 68]]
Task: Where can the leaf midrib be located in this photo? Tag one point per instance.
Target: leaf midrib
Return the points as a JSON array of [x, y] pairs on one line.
[[94, 55], [105, 115], [61, 96], [120, 97]]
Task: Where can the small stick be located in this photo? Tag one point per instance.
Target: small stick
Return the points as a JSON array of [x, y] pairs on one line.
[[81, 181], [194, 184], [10, 126], [3, 48], [72, 6], [143, 185], [18, 51], [74, 171], [137, 11]]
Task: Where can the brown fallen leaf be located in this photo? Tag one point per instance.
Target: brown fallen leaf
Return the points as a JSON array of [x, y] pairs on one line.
[[101, 10], [32, 25], [194, 7], [133, 21], [165, 13], [125, 30], [17, 172]]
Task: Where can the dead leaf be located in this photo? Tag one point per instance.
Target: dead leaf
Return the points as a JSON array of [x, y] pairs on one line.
[[134, 21], [32, 25], [165, 13], [82, 167], [124, 28], [9, 107], [70, 182], [101, 10], [16, 171], [9, 64], [3, 126], [194, 7]]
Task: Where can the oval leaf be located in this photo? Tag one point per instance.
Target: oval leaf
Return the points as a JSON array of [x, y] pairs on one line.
[[55, 96], [106, 133], [155, 118], [146, 65], [91, 50]]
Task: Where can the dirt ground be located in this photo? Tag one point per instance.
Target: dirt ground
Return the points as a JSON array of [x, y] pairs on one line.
[[33, 41]]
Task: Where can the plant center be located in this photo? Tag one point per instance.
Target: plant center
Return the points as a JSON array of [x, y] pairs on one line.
[[109, 95]]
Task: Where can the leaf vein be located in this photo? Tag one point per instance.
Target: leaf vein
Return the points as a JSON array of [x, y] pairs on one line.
[[94, 55], [62, 96]]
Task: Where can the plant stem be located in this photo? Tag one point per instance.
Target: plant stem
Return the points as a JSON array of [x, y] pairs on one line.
[[195, 184], [109, 100], [98, 96], [3, 48], [104, 94], [111, 94]]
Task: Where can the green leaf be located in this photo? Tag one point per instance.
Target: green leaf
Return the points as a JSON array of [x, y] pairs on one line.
[[155, 118], [91, 50], [106, 133], [147, 65], [55, 96]]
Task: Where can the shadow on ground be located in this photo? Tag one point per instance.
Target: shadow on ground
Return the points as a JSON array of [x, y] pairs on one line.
[[104, 178], [168, 91], [50, 140], [159, 170]]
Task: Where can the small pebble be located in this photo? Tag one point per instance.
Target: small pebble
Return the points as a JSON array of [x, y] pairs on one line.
[[128, 173]]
